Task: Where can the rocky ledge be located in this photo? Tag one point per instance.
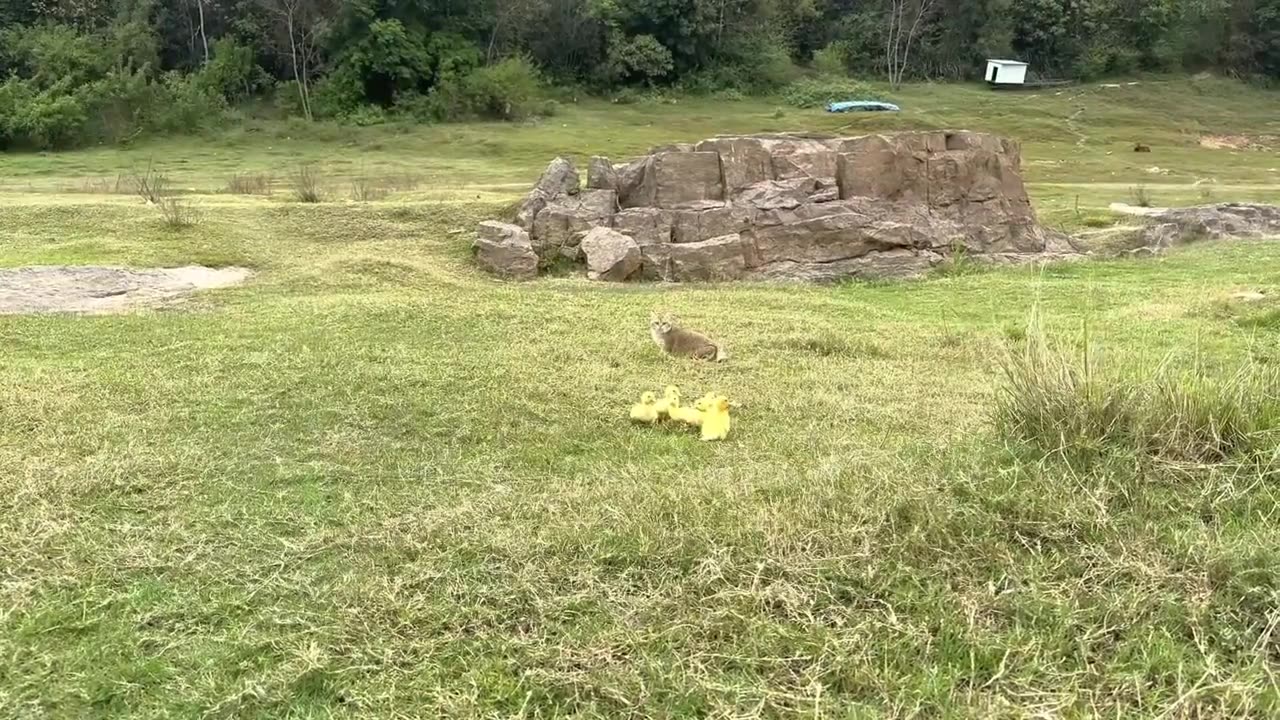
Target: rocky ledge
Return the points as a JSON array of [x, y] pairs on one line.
[[784, 207], [1169, 228]]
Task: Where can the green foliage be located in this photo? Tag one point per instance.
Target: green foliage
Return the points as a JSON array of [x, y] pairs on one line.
[[831, 60], [507, 90], [38, 118], [818, 91], [232, 72], [638, 59]]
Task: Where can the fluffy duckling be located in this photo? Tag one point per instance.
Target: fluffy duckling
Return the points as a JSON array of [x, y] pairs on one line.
[[670, 402], [646, 411], [689, 415], [715, 421]]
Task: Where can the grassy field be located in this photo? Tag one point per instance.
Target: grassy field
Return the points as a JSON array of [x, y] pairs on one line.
[[374, 483]]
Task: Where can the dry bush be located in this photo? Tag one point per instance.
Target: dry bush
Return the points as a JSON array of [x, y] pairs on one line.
[[363, 189], [178, 213], [305, 182], [151, 185], [1141, 196], [249, 184]]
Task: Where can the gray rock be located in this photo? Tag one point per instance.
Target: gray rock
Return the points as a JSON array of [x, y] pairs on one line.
[[744, 161], [601, 174], [1180, 226], [699, 224], [900, 263], [634, 183], [560, 178], [648, 226], [505, 250], [777, 195], [610, 255], [563, 221], [802, 158], [680, 179], [721, 258]]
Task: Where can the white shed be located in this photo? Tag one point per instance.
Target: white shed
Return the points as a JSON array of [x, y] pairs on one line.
[[1006, 72]]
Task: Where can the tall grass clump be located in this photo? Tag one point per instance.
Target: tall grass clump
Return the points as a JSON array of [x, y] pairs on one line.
[[1069, 401], [1060, 401], [305, 182]]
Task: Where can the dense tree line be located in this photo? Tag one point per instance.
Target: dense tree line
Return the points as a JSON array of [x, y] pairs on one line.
[[80, 70]]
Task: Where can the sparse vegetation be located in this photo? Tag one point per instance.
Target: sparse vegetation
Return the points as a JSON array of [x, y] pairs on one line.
[[1073, 402], [250, 184], [364, 189], [372, 482], [305, 182], [1141, 196]]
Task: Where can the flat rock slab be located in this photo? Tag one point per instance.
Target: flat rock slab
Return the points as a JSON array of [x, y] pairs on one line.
[[89, 289]]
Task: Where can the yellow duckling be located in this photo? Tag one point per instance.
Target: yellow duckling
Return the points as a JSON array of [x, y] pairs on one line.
[[689, 415], [670, 401], [645, 411], [715, 421]]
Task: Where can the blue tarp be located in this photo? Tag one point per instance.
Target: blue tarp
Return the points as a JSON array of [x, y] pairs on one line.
[[862, 106]]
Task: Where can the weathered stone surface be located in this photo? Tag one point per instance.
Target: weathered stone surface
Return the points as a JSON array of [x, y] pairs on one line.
[[699, 224], [683, 178], [560, 178], [801, 158], [721, 258], [744, 161], [505, 250], [832, 231], [635, 183], [610, 255], [1181, 226], [562, 222], [776, 195], [648, 226], [899, 263], [601, 174]]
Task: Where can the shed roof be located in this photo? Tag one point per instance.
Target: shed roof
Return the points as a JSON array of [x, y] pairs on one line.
[[1005, 62]]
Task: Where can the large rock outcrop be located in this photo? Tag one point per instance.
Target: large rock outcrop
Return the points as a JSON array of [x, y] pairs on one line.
[[795, 207]]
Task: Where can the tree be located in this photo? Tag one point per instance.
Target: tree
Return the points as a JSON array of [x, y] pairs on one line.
[[903, 21], [303, 23]]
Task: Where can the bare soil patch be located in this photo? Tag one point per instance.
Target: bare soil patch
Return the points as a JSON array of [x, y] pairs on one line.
[[89, 289], [1240, 142]]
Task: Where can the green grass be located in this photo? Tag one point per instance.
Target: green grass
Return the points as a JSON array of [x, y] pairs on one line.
[[373, 482]]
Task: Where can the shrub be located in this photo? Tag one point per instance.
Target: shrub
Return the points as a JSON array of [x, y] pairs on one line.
[[231, 73], [507, 90], [305, 182], [249, 184], [1141, 196], [177, 214], [38, 119], [832, 60], [818, 91], [365, 189], [640, 58]]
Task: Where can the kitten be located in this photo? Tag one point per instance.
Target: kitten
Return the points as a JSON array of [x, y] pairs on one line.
[[678, 342]]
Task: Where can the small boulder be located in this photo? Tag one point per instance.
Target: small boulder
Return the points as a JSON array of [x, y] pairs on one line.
[[504, 250], [611, 256]]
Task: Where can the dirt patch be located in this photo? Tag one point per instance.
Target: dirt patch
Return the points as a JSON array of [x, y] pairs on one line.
[[1240, 142], [87, 289]]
